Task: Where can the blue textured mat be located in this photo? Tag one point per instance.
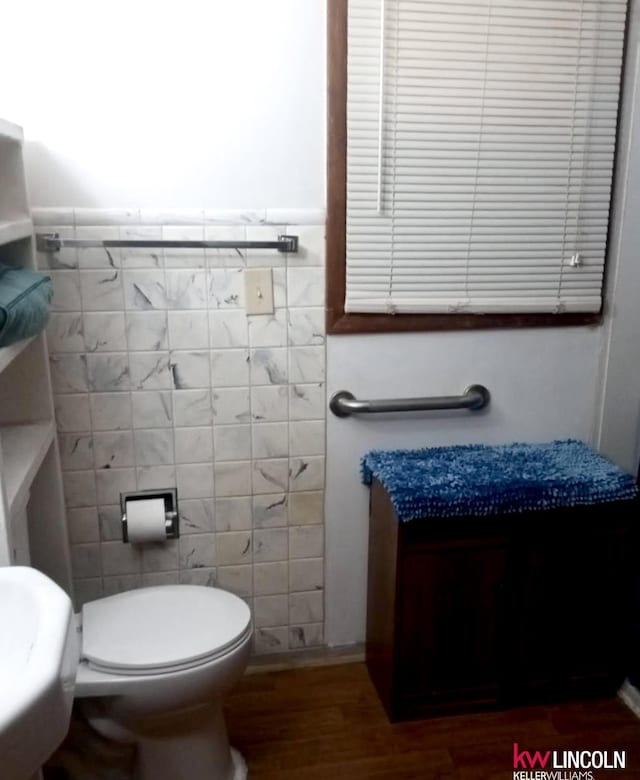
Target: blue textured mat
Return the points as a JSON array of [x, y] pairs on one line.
[[477, 479]]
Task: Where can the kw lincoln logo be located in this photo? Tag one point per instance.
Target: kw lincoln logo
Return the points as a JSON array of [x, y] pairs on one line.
[[564, 764]]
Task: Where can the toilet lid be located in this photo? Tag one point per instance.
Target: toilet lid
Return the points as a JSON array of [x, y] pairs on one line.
[[161, 627]]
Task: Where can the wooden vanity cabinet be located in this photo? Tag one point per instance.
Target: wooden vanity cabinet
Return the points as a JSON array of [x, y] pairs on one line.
[[572, 602], [473, 612]]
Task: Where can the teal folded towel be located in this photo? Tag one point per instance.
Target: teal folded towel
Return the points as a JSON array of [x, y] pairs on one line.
[[25, 300]]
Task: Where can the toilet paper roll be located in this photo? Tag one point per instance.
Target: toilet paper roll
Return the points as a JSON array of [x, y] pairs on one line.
[[146, 520]]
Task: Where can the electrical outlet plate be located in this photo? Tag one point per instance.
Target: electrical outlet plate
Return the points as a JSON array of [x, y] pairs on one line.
[[258, 288]]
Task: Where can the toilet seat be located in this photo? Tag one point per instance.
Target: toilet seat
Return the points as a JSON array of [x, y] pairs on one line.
[[162, 629]]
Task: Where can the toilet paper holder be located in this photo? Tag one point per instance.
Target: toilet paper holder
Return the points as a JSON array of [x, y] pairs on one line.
[[170, 498]]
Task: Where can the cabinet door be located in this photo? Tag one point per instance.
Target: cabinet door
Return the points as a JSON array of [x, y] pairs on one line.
[[572, 613], [451, 623]]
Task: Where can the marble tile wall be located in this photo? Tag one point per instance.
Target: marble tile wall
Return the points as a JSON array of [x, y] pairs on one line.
[[162, 380]]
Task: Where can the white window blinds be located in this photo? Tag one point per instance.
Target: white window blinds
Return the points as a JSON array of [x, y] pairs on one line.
[[480, 152]]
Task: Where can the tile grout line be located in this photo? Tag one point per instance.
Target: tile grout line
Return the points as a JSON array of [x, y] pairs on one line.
[[134, 439], [289, 471], [251, 448], [208, 290], [89, 396]]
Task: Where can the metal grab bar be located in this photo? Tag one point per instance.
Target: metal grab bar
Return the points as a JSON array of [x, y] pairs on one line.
[[51, 242], [344, 404]]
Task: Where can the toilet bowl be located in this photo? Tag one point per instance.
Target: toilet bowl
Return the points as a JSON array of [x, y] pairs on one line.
[[154, 665]]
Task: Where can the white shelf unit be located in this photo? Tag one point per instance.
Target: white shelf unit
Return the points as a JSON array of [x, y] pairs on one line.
[[33, 526], [15, 229], [10, 353], [23, 449], [10, 131]]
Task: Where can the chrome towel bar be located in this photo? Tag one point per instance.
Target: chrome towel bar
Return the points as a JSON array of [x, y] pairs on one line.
[[51, 242], [344, 404]]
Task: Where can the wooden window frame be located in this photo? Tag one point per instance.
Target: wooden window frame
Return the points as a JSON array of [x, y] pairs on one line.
[[337, 320]]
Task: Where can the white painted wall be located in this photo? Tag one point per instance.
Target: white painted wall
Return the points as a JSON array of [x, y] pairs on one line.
[[153, 103], [543, 385], [619, 420]]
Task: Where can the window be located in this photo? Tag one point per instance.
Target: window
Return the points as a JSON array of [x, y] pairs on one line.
[[471, 151]]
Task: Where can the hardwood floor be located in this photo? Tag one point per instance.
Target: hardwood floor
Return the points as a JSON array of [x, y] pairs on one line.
[[327, 724]]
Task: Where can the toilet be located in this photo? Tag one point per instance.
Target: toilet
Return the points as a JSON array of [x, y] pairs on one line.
[[154, 665]]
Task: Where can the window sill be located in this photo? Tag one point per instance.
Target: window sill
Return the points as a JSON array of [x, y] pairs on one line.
[[339, 323]]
